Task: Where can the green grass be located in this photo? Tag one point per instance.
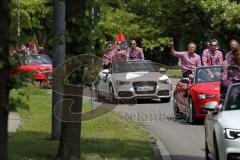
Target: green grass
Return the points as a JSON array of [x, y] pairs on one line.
[[174, 73], [108, 137]]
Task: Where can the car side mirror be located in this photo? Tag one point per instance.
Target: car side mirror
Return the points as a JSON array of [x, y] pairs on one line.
[[162, 70], [185, 80], [103, 74], [106, 71], [211, 106]]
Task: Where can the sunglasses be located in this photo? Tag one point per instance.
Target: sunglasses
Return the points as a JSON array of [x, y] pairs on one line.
[[214, 45]]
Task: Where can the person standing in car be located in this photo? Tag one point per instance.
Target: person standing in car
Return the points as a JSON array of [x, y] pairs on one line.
[[212, 56], [229, 56], [189, 59], [135, 53], [231, 70]]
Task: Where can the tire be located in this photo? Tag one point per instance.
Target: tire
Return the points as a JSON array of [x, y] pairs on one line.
[[49, 86], [98, 97], [38, 83], [112, 96], [216, 154], [165, 100], [191, 117], [176, 113], [206, 152]]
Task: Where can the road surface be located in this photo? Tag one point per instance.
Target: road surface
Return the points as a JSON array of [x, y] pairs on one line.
[[183, 141]]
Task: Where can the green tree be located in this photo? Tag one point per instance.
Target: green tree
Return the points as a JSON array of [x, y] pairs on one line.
[[36, 21]]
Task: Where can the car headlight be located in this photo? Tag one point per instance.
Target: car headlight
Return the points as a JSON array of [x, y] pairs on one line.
[[121, 83], [164, 79], [205, 96], [231, 133]]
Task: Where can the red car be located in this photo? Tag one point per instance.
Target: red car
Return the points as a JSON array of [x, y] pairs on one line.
[[40, 66], [191, 95]]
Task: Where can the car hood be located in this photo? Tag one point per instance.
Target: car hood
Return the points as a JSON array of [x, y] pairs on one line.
[[36, 67], [230, 119], [138, 76], [207, 87]]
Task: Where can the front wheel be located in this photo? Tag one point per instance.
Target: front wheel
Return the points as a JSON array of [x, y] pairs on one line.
[[176, 112], [191, 118], [206, 152], [112, 96], [216, 154]]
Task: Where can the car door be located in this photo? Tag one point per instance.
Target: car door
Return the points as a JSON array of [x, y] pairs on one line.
[[210, 121], [103, 84]]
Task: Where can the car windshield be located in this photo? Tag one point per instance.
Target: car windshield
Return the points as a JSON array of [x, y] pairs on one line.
[[38, 59], [208, 74], [134, 66], [233, 98]]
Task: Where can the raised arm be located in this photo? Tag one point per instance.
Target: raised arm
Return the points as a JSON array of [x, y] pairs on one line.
[[173, 51]]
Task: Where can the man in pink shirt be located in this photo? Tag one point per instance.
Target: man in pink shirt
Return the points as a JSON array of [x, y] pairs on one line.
[[229, 56], [135, 53], [212, 56], [231, 71], [190, 60], [107, 57]]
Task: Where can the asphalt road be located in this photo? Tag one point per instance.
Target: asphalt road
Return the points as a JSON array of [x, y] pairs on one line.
[[183, 141]]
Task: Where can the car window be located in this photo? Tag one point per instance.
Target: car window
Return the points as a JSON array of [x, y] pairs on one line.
[[38, 59], [134, 66], [233, 98], [208, 74]]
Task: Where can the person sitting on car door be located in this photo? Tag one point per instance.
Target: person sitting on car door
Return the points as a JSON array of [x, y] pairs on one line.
[[189, 59], [135, 53], [230, 71], [107, 57]]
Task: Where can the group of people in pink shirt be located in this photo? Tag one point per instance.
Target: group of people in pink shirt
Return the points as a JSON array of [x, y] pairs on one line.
[[30, 49], [117, 52], [211, 56]]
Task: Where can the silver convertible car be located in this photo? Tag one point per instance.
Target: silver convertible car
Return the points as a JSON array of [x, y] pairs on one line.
[[222, 127], [131, 80]]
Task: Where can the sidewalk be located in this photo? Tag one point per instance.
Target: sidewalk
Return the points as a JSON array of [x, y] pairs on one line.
[[13, 122]]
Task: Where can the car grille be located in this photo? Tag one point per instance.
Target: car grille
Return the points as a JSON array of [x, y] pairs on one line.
[[163, 93], [144, 84], [125, 94]]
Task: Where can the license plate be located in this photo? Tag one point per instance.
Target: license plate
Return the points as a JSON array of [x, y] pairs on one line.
[[146, 88]]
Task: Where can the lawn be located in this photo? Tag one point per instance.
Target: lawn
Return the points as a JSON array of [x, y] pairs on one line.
[[108, 137], [174, 73]]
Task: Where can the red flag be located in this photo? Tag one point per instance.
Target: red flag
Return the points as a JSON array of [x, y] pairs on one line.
[[120, 37]]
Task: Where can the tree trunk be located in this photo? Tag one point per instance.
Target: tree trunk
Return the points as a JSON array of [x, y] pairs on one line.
[[4, 74], [69, 147]]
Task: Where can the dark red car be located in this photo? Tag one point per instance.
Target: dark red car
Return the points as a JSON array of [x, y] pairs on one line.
[[191, 95], [40, 66]]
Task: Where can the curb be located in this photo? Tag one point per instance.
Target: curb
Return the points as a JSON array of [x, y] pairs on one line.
[[160, 150]]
